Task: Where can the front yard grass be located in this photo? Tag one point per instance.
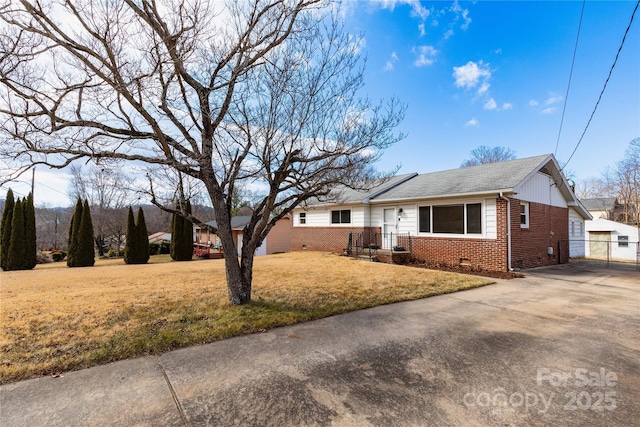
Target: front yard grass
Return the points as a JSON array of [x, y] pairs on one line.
[[55, 319]]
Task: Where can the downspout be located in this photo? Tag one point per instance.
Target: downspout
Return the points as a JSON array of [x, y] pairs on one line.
[[508, 230]]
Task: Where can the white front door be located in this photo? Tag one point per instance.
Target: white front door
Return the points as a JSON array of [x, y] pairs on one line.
[[389, 228]]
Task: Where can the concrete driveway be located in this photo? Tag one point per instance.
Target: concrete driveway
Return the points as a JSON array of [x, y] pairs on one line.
[[559, 347]]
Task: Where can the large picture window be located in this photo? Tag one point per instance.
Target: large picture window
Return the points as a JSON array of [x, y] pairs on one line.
[[448, 219], [451, 219], [341, 217]]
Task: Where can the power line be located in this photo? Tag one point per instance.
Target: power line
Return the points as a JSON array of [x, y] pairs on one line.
[[605, 85], [573, 61]]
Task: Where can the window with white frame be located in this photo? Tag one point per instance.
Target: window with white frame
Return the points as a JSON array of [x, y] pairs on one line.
[[450, 219], [524, 215], [424, 219], [573, 229], [623, 241], [341, 217], [303, 217]]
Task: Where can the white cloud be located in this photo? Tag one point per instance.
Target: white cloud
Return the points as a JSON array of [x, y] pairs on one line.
[[484, 88], [417, 9], [467, 20], [533, 103], [553, 99], [472, 122], [421, 29], [498, 51], [390, 62], [549, 110], [356, 44], [490, 104], [448, 34], [426, 55], [470, 75], [461, 14]]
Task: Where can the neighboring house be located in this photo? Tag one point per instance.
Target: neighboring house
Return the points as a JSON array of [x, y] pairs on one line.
[[498, 216], [278, 239], [611, 240], [159, 237], [605, 208]]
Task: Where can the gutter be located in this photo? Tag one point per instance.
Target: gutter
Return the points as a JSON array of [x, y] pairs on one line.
[[444, 196], [508, 230]]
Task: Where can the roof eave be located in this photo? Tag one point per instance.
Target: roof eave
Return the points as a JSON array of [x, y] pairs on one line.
[[504, 191]]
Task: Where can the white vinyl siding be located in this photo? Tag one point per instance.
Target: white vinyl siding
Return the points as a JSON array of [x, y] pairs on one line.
[[313, 218], [407, 219], [542, 189], [490, 223], [576, 235]]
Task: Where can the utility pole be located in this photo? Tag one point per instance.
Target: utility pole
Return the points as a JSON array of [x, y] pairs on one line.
[[33, 181]]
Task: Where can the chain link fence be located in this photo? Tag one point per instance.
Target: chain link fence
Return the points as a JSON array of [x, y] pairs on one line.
[[611, 252]]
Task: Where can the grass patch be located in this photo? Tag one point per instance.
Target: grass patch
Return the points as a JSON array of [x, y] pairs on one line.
[[55, 318]]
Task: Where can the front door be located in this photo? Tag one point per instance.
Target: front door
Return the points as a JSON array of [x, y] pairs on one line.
[[389, 228]]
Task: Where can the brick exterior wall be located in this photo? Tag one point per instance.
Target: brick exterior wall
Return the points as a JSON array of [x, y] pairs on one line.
[[279, 238], [325, 239], [529, 245]]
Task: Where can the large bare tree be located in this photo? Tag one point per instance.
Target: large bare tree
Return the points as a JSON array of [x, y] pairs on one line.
[[624, 180], [261, 93], [485, 154]]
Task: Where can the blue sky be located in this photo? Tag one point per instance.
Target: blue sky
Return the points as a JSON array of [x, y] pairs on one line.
[[489, 73], [496, 73]]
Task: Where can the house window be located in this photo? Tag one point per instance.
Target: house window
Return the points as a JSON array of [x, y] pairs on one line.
[[573, 229], [474, 218], [424, 220], [524, 215], [448, 219], [452, 219], [623, 241], [303, 217], [341, 217]]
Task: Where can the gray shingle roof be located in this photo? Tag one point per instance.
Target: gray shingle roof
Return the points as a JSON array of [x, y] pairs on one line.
[[475, 179], [236, 222], [346, 195], [599, 203]]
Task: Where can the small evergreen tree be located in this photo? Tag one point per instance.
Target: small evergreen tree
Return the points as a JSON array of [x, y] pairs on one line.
[[182, 236], [74, 229], [176, 228], [86, 254], [30, 232], [187, 236], [7, 218], [131, 244], [143, 238], [16, 254]]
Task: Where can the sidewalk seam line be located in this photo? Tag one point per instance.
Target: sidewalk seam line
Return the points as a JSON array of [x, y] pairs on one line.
[[173, 394]]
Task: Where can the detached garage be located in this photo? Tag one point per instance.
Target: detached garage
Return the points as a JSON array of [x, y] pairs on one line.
[[611, 240]]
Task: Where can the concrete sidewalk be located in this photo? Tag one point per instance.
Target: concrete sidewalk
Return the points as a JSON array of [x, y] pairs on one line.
[[512, 353]]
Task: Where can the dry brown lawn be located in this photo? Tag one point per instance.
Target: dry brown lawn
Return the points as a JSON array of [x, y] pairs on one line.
[[55, 319]]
